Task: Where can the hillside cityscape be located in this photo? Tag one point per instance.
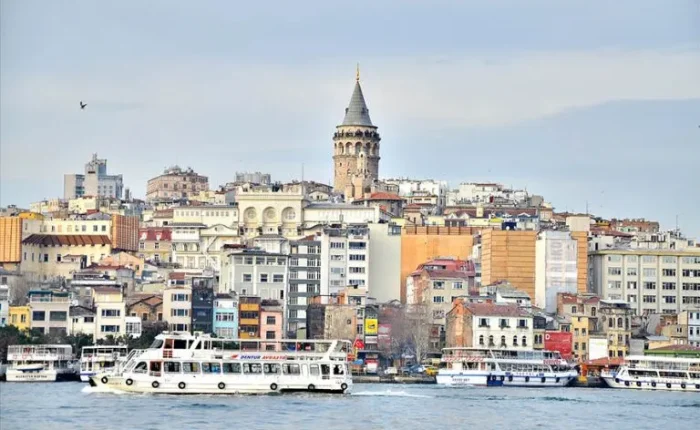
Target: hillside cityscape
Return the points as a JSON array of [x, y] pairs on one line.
[[401, 267]]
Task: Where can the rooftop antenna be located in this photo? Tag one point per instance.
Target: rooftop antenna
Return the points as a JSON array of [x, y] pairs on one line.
[[357, 73]]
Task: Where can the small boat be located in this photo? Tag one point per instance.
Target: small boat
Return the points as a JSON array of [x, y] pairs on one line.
[[39, 363], [646, 372], [182, 363], [503, 367], [101, 359]]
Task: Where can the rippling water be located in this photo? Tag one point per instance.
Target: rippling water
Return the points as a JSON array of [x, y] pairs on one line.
[[372, 406]]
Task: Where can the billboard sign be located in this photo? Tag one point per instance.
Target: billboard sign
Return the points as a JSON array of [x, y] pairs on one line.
[[558, 341]]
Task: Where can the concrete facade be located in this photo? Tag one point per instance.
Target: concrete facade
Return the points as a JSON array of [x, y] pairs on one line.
[[344, 259], [556, 269], [175, 184], [384, 262], [94, 182]]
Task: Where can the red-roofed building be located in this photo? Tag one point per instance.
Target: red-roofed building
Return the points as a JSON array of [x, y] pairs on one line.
[[391, 203], [155, 244], [489, 325]]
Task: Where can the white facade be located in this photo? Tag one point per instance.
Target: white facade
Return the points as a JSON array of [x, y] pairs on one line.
[[84, 324], [507, 332], [651, 281], [345, 257], [110, 313], [256, 273], [555, 268], [384, 262], [270, 212], [4, 305], [471, 193], [95, 182], [407, 187], [98, 227], [341, 213], [177, 308]]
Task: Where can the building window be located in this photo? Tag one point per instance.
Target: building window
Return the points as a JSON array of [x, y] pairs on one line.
[[515, 340], [631, 271], [38, 316], [263, 277], [668, 286], [650, 285], [109, 329], [180, 312], [337, 245], [668, 272], [614, 271], [524, 343], [438, 285], [277, 278], [111, 313], [88, 319], [247, 277], [58, 316], [481, 340], [270, 335], [491, 341], [357, 257], [614, 258], [483, 322], [632, 285], [180, 297]]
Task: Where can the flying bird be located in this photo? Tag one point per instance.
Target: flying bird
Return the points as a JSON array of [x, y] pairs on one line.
[[82, 105]]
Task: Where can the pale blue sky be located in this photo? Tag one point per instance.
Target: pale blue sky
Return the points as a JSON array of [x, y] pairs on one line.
[[579, 101]]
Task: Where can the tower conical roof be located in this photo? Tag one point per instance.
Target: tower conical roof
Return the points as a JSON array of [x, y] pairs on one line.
[[357, 112]]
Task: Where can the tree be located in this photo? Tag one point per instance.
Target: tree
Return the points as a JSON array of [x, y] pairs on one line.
[[11, 335], [410, 330], [149, 331]]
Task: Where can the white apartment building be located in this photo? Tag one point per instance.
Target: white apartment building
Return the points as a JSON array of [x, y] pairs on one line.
[[304, 279], [490, 325], [556, 255], [4, 305], [254, 272], [694, 327], [408, 187], [95, 181], [472, 193], [344, 259], [110, 312], [177, 308], [385, 262], [651, 281]]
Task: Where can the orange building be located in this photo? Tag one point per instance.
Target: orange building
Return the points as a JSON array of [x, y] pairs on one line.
[[125, 232], [509, 255], [420, 244], [582, 260], [10, 242]]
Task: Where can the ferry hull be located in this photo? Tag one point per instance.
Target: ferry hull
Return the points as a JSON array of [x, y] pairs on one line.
[[185, 385], [42, 376], [505, 380], [650, 384]]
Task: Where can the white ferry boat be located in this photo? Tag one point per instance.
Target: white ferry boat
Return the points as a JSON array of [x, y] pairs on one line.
[[645, 372], [39, 363], [199, 364], [101, 359], [500, 367]]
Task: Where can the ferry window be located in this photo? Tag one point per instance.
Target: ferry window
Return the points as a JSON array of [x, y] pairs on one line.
[[338, 369], [211, 368], [155, 366], [254, 368], [294, 369], [232, 368], [172, 367], [190, 367], [325, 369], [314, 370], [141, 367], [180, 344], [271, 368]]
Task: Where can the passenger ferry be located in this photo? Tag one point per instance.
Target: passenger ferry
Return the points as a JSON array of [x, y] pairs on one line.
[[501, 367], [39, 363], [643, 372], [101, 359], [180, 363]]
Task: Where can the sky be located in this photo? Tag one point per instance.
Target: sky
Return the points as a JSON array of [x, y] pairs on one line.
[[589, 103]]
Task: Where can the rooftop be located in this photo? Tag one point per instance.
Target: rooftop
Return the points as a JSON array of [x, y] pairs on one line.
[[357, 113], [66, 240], [496, 310]]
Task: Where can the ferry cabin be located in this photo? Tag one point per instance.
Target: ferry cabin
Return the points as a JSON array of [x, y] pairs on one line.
[[100, 359], [39, 363]]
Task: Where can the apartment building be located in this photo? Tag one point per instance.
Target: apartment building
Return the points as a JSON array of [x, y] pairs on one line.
[[82, 320], [693, 322], [177, 307], [249, 317], [254, 272], [49, 312], [271, 323], [110, 312], [225, 316], [4, 305], [650, 280], [489, 325], [155, 244], [47, 256], [581, 312], [304, 280], [556, 267], [174, 184], [202, 304], [147, 307], [616, 323], [94, 182], [20, 317], [344, 258]]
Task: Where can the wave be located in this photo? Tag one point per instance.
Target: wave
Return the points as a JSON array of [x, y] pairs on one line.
[[92, 390], [391, 393]]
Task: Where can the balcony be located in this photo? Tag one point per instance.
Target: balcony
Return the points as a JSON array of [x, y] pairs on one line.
[[253, 307], [249, 321]]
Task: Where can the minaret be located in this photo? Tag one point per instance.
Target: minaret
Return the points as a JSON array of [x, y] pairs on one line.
[[354, 136]]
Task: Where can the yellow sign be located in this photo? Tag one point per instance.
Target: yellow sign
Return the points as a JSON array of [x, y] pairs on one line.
[[371, 327]]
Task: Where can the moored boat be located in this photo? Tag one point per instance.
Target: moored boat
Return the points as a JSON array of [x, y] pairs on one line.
[[645, 372], [39, 363], [179, 363], [101, 359], [502, 367]]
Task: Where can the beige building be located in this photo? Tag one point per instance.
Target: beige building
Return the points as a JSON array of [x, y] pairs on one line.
[[49, 312], [616, 323], [46, 256], [356, 148], [662, 281], [155, 244], [110, 312], [175, 184], [265, 211], [177, 308]]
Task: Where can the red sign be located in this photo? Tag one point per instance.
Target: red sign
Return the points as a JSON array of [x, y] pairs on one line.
[[359, 344], [558, 341]]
